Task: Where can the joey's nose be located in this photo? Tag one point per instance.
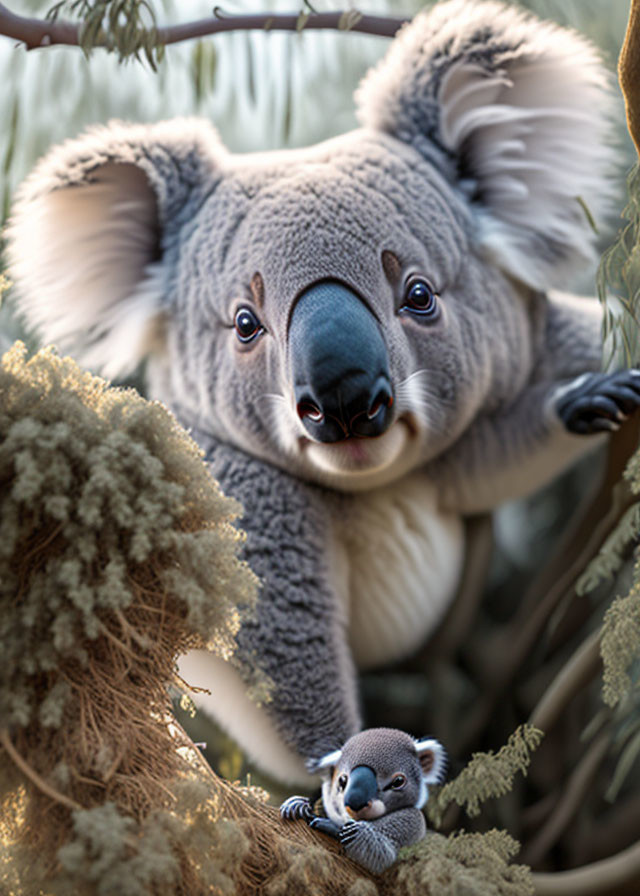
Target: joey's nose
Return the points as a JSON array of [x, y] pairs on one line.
[[341, 378], [362, 788]]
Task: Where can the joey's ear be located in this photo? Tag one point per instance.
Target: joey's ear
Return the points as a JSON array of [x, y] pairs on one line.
[[433, 759], [91, 234], [516, 113], [325, 765]]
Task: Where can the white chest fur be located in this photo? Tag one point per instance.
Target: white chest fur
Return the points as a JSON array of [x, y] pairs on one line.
[[396, 561]]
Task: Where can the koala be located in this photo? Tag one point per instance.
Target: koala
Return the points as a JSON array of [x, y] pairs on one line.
[[373, 790], [364, 336]]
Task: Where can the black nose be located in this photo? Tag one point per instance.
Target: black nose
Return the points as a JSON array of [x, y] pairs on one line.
[[341, 378], [362, 788]]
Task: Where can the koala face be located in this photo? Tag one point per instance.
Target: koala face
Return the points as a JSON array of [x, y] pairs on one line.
[[340, 335], [379, 771], [342, 311]]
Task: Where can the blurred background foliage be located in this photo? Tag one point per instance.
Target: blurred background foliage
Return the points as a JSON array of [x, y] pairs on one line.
[[274, 90]]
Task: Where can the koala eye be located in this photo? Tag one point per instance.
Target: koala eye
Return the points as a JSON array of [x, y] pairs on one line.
[[247, 324], [342, 782], [398, 782], [420, 298]]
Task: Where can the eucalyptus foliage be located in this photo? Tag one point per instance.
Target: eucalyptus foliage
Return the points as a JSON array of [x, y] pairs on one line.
[[126, 27], [618, 284], [488, 775]]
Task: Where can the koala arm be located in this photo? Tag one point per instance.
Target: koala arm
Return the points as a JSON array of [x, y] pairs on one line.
[[375, 844], [295, 639], [521, 446]]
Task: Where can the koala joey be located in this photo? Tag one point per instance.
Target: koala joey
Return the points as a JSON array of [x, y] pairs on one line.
[[363, 335], [373, 791]]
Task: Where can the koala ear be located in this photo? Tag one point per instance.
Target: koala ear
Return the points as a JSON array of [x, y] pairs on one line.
[[89, 232], [325, 765], [516, 112], [433, 759]]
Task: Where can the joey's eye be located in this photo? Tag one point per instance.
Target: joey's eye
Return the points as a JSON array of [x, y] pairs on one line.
[[342, 782], [420, 298], [398, 782], [247, 324]]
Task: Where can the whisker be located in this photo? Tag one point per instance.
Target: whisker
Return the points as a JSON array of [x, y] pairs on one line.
[[418, 393], [278, 409], [420, 386]]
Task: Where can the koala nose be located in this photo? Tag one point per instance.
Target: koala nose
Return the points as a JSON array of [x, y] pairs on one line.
[[361, 789], [341, 378]]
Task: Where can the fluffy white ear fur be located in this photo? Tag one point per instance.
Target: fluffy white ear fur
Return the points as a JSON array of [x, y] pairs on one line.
[[433, 759], [519, 111], [324, 765], [85, 238]]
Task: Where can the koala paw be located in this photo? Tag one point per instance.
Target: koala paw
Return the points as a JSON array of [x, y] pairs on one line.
[[352, 831], [598, 402], [297, 807], [367, 847], [325, 826]]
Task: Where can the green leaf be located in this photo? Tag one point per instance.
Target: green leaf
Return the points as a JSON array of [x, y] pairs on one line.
[[349, 19], [302, 20], [587, 213]]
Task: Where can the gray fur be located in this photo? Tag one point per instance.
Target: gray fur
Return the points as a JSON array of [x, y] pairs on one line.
[[140, 242], [392, 818], [375, 844]]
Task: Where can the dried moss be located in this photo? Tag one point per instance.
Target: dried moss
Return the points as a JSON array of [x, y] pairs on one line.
[[117, 554], [463, 865]]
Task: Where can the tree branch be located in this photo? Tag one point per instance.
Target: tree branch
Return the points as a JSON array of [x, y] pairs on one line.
[[34, 33], [629, 72], [609, 877], [577, 672]]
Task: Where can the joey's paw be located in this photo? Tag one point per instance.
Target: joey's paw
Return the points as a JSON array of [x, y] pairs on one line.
[[296, 807], [352, 831], [325, 826], [366, 846], [598, 402]]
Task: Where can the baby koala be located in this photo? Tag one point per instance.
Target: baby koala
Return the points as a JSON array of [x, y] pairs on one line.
[[373, 791]]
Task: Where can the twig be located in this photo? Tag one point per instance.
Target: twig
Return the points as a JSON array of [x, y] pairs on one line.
[[35, 33], [609, 877], [577, 671], [569, 803], [612, 831], [33, 775]]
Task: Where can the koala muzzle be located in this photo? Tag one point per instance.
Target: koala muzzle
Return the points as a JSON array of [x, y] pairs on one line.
[[340, 366], [361, 790]]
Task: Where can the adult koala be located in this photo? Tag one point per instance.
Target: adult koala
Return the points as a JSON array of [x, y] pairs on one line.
[[359, 334]]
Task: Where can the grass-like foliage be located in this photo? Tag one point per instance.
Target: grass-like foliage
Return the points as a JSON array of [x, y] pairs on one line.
[[618, 284]]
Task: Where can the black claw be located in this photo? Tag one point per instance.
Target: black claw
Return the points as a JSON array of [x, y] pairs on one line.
[[600, 402], [607, 406], [602, 424], [627, 398], [296, 807], [348, 832]]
